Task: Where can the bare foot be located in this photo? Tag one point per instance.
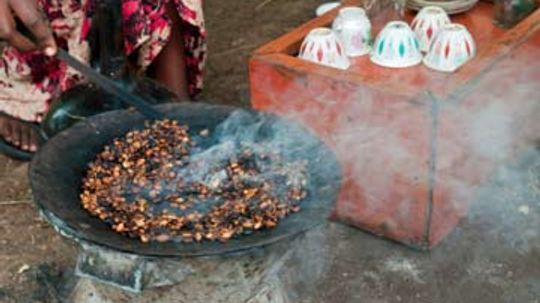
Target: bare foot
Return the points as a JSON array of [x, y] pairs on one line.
[[18, 134]]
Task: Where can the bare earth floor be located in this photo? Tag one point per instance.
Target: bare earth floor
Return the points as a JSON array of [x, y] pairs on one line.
[[492, 257]]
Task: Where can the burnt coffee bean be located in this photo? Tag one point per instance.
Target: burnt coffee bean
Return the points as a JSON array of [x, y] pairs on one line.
[[136, 184]]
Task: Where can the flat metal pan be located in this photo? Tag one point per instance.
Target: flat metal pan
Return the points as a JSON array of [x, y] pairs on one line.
[[57, 169]]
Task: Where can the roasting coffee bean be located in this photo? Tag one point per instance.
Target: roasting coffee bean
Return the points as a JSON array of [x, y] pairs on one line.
[[140, 184]]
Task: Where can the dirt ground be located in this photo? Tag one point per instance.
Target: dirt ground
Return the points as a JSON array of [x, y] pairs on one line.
[[236, 28], [494, 255]]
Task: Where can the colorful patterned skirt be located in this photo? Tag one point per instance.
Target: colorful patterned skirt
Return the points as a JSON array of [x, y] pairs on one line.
[[29, 81]]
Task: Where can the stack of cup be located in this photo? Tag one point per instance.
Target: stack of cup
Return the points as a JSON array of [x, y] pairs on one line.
[[447, 45]]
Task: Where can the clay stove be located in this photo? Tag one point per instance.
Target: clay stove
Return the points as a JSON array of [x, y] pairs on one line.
[[278, 273], [266, 266]]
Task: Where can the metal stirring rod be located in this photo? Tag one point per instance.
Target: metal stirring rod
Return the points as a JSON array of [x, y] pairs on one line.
[[110, 86]]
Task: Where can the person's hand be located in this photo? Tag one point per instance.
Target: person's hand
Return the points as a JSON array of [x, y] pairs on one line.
[[27, 12]]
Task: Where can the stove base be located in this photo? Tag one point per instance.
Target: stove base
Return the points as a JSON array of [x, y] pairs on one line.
[[275, 274]]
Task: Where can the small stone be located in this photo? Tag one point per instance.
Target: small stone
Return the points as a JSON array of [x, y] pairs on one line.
[[524, 210], [23, 268], [237, 42], [205, 133]]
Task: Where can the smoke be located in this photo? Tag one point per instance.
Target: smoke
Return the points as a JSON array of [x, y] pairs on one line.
[[508, 208], [283, 154], [493, 128]]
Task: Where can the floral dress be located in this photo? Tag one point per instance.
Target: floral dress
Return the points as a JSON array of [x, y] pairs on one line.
[[29, 81]]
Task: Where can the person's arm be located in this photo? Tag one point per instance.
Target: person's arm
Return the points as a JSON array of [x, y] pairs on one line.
[[28, 13]]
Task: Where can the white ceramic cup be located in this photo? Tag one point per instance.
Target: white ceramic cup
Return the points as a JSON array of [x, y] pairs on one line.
[[354, 30], [396, 46], [322, 46], [452, 47], [427, 24]]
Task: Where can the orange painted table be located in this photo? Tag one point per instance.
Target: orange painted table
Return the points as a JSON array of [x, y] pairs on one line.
[[414, 143]]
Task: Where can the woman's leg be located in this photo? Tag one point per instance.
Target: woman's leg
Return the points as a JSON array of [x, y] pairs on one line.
[[169, 67]]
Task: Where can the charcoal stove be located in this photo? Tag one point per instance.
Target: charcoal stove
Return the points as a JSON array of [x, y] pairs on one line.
[[249, 268]]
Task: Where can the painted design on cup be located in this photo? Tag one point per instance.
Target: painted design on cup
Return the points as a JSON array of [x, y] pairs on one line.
[[452, 47], [396, 46], [427, 24], [322, 46]]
